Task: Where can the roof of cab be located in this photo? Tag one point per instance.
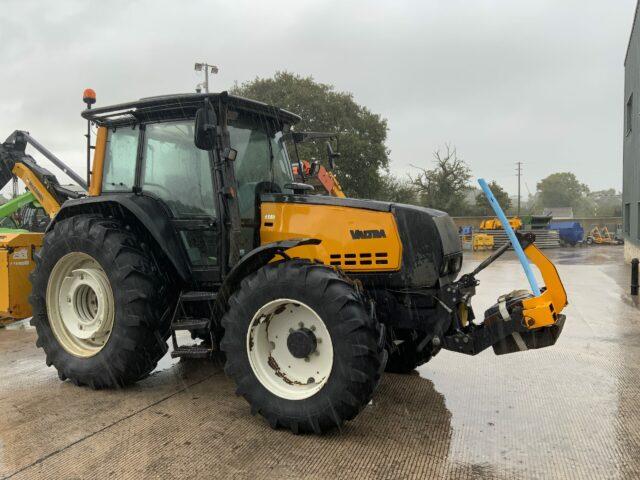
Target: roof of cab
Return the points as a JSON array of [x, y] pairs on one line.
[[178, 106]]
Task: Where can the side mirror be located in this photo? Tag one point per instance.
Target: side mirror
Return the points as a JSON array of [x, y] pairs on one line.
[[332, 156], [205, 127], [299, 188]]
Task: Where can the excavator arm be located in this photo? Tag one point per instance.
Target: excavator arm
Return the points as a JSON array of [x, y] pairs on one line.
[[326, 178], [39, 181]]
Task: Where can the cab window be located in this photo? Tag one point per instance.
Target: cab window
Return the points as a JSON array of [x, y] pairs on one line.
[[120, 160], [176, 171], [254, 166]]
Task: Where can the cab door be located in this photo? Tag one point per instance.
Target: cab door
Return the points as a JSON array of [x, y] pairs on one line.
[[179, 174]]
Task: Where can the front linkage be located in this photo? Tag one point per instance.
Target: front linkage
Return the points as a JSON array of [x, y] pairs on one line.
[[518, 321]]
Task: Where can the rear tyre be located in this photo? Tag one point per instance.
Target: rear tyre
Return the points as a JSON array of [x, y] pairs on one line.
[[404, 356], [301, 346], [100, 304]]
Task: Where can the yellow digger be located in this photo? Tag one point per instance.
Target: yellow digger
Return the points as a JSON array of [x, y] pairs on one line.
[[193, 221], [494, 224], [18, 246]]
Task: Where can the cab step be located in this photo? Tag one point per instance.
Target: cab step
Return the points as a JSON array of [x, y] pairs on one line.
[[196, 296], [192, 351], [190, 324], [191, 319]]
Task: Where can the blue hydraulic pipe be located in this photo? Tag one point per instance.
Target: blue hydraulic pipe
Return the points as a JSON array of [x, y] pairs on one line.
[[512, 236]]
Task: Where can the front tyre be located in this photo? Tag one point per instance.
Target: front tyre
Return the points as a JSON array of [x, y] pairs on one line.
[[301, 346], [100, 303]]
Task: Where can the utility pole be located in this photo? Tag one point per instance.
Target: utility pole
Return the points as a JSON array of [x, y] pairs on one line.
[[199, 67], [519, 172]]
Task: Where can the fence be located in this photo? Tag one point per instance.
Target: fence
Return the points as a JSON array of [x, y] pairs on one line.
[[587, 223]]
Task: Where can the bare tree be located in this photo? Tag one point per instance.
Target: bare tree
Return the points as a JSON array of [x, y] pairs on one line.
[[444, 186]]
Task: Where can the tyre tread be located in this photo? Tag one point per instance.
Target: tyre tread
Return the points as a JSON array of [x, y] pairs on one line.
[[358, 369], [141, 325]]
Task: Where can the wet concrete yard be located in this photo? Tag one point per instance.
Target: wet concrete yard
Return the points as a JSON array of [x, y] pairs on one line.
[[568, 411]]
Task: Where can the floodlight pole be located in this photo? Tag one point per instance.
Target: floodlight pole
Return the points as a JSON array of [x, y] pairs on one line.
[[205, 66]]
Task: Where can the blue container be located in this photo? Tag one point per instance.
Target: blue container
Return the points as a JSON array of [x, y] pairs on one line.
[[465, 230], [570, 232]]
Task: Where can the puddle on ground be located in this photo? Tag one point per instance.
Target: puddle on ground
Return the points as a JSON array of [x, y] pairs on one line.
[[564, 411], [20, 325], [166, 362]]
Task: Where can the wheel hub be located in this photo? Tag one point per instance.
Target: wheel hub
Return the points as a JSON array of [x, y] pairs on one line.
[[302, 343], [290, 349], [80, 304]]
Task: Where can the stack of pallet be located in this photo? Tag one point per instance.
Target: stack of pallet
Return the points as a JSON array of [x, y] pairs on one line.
[[544, 238]]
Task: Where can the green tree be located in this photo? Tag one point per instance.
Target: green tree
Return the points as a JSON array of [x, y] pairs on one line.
[[562, 190], [361, 134], [607, 203], [444, 187], [398, 190], [482, 204]]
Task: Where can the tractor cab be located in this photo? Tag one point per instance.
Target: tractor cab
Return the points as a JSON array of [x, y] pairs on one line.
[[148, 148]]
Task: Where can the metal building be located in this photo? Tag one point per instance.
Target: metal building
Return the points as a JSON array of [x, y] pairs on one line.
[[631, 148]]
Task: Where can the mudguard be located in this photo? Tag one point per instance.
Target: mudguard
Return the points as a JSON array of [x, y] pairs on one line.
[[151, 213], [255, 259]]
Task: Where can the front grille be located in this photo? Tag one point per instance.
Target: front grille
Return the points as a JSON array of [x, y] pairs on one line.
[[358, 259]]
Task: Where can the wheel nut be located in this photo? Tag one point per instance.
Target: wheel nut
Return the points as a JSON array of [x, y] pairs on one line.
[[311, 380]]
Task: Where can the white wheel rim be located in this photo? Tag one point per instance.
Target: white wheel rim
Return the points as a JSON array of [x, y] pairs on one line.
[[277, 369], [80, 304]]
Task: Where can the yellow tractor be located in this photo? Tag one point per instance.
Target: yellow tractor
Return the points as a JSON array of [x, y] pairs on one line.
[[193, 221]]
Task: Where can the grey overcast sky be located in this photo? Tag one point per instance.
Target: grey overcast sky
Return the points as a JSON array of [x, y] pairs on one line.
[[534, 81]]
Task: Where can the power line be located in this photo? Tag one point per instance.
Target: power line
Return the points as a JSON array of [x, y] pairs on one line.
[[519, 172]]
